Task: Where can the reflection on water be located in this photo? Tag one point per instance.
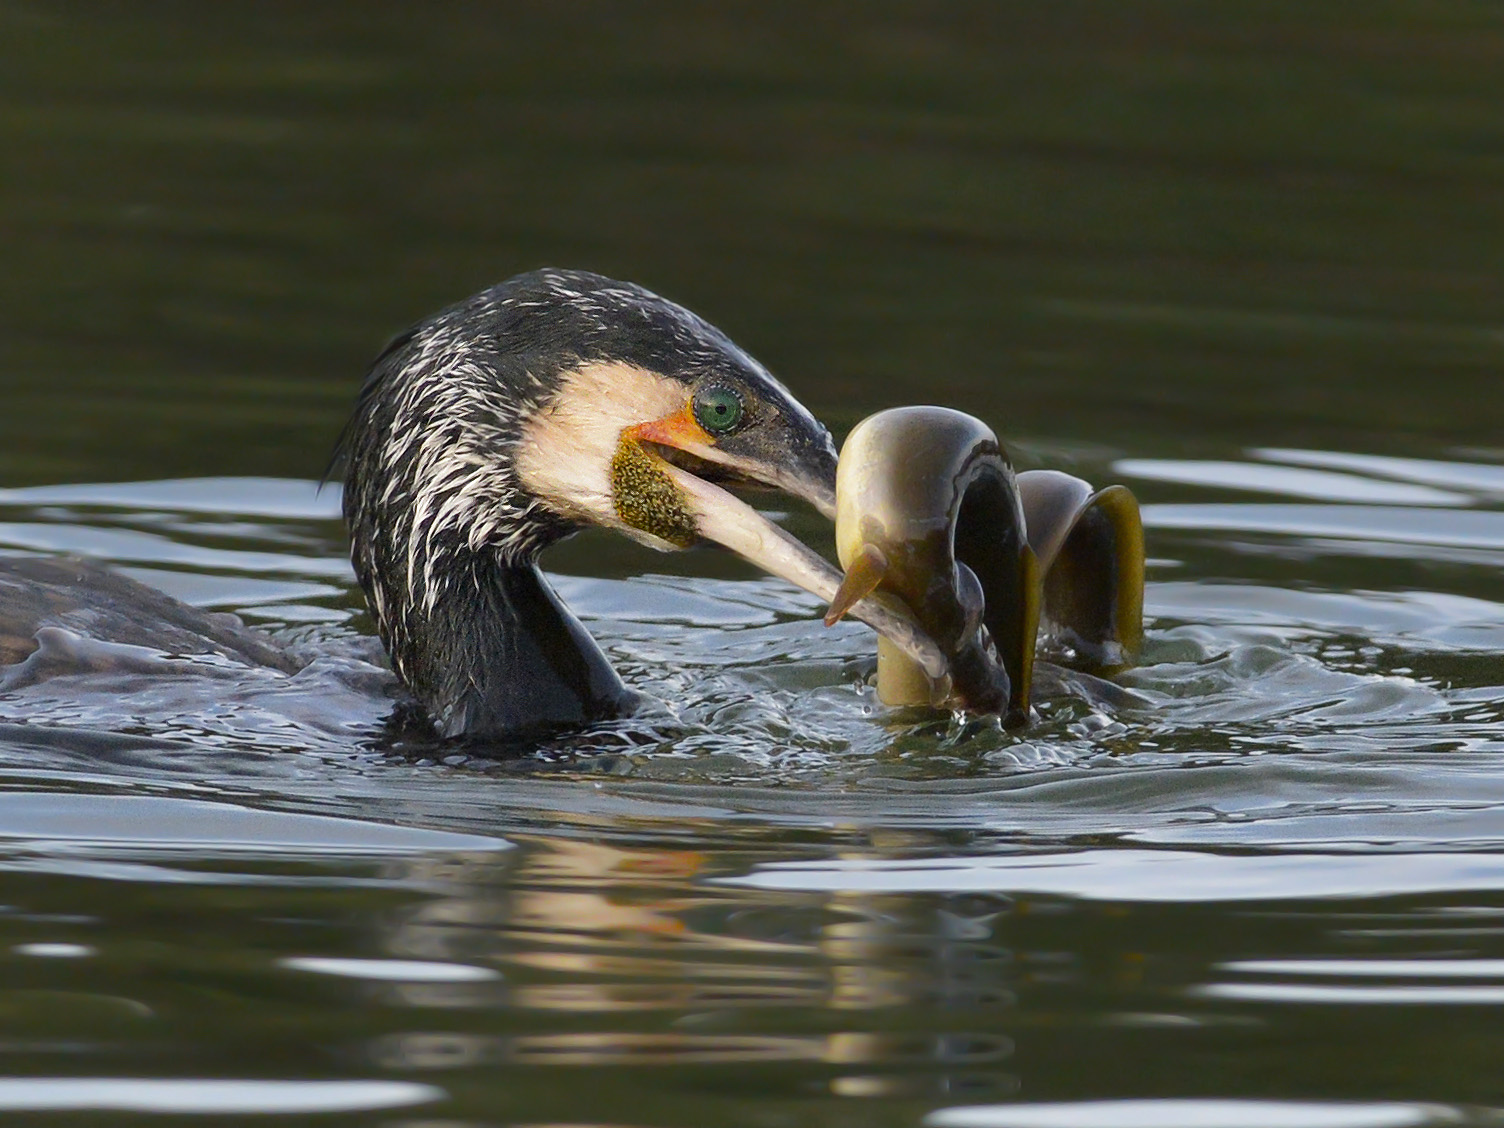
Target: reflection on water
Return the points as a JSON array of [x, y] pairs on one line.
[[1197, 1114], [682, 966], [209, 1098]]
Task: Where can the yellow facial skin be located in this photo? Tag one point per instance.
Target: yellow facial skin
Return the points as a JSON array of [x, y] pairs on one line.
[[643, 493], [646, 497]]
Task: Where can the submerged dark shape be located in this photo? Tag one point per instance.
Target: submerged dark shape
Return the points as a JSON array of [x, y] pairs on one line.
[[929, 509], [553, 401], [45, 602]]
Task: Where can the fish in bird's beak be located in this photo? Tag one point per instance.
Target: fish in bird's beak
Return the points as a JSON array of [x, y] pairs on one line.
[[1090, 546], [928, 511]]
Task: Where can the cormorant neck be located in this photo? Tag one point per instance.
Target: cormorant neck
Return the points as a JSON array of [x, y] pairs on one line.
[[500, 654]]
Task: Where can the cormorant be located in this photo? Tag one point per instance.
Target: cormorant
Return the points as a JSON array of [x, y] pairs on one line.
[[552, 401]]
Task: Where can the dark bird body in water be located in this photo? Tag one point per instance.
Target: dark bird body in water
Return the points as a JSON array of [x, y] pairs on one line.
[[51, 609], [556, 400]]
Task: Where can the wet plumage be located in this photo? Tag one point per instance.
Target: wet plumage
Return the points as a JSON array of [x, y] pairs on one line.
[[495, 428]]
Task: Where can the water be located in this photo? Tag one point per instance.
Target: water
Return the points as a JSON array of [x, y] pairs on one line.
[[1242, 259]]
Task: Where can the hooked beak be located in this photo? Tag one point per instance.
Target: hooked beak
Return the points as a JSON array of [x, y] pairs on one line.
[[698, 466]]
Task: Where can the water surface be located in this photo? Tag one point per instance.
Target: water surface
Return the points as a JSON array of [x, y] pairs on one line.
[[1242, 258]]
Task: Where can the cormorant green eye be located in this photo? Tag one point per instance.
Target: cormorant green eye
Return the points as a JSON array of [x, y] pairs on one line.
[[718, 409]]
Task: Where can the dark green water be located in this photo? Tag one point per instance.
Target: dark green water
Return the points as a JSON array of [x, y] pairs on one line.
[[1244, 257]]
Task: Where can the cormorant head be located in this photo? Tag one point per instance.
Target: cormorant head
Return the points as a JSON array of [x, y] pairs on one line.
[[556, 400]]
